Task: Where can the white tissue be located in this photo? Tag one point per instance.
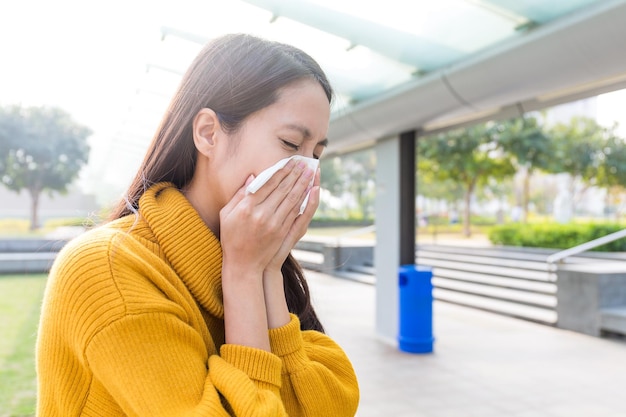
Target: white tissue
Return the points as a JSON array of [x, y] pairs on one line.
[[265, 175]]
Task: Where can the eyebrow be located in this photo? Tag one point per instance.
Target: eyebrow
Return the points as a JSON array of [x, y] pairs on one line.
[[306, 133]]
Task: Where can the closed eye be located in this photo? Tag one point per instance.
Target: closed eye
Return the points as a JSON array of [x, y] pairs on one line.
[[295, 147], [291, 145]]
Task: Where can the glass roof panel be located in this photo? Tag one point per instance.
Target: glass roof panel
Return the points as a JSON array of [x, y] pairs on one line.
[[441, 33], [366, 48], [463, 26], [466, 26], [540, 11], [361, 73]]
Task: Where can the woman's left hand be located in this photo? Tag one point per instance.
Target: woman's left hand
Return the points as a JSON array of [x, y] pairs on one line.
[[298, 228]]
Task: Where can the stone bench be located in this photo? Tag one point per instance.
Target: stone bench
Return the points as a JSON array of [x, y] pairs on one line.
[[613, 320], [591, 298], [28, 256], [26, 263]]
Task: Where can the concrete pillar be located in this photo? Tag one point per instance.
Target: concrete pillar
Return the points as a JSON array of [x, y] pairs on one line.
[[395, 225]]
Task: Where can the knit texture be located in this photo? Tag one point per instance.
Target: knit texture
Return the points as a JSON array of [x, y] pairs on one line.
[[132, 325]]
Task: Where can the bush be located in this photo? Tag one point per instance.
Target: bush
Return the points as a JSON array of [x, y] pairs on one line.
[[77, 221], [507, 235], [483, 220], [556, 236]]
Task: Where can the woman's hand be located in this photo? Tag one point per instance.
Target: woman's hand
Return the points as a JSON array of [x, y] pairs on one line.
[[298, 227], [252, 230], [258, 229], [273, 287]]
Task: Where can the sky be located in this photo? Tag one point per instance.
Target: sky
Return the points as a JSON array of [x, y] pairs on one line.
[[611, 110], [90, 58], [80, 55], [83, 56]]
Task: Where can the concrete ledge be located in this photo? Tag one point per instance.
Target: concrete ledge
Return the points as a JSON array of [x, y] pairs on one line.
[[339, 258], [26, 263], [31, 245], [28, 256], [584, 291], [309, 259], [613, 320], [311, 245], [332, 256]]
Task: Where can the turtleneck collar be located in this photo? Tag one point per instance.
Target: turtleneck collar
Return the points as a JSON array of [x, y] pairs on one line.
[[189, 245]]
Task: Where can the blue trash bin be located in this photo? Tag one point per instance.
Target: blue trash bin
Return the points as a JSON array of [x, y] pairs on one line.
[[416, 309]]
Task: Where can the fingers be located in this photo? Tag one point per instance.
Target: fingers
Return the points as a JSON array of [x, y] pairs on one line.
[[287, 188], [303, 220], [316, 183], [311, 207], [239, 195], [299, 203], [297, 194], [273, 212], [301, 223]]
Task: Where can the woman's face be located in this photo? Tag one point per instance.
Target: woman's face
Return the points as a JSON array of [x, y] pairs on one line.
[[296, 124]]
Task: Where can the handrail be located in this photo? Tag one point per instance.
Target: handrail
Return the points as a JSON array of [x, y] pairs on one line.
[[559, 256]]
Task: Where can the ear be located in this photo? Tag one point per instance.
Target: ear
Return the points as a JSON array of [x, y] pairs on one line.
[[206, 126]]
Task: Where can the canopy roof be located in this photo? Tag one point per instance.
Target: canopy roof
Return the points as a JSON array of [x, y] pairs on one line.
[[401, 65]]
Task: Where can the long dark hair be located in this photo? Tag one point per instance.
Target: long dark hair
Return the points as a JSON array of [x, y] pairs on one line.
[[235, 76]]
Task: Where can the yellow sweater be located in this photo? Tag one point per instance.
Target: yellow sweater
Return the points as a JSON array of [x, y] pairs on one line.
[[132, 325]]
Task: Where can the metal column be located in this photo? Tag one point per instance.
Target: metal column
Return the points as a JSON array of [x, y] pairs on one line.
[[407, 198]]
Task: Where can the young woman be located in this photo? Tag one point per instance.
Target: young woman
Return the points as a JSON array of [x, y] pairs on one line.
[[188, 303]]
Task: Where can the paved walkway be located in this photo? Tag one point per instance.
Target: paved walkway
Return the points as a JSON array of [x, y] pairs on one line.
[[483, 365]]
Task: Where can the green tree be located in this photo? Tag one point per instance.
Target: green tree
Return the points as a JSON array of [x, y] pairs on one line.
[[360, 170], [578, 146], [613, 173], [332, 181], [469, 156], [42, 149], [331, 175], [499, 190], [580, 149], [351, 175], [431, 187], [613, 168], [430, 184], [524, 139]]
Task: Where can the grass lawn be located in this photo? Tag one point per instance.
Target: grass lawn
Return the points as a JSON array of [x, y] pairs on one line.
[[20, 302]]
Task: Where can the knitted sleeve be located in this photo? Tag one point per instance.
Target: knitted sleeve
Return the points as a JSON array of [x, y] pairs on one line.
[[317, 374], [153, 364]]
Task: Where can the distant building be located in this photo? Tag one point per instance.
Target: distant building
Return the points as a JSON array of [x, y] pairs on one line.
[[563, 113]]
